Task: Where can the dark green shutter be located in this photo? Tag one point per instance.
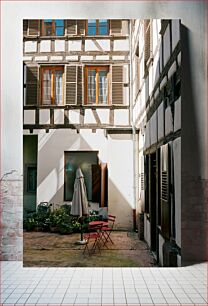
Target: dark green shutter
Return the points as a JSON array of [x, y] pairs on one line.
[[117, 84], [32, 85]]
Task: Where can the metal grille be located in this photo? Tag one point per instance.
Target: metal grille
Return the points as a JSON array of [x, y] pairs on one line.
[[164, 186], [142, 181]]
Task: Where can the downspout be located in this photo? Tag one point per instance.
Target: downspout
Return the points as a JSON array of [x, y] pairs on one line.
[[132, 126]]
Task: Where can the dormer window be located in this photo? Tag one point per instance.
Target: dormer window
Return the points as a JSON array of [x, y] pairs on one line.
[[53, 27], [97, 27]]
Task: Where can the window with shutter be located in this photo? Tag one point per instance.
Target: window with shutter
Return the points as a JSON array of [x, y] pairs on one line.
[[147, 41], [71, 26], [52, 27], [117, 84], [52, 85], [164, 191], [116, 26], [97, 85], [71, 84], [33, 27], [97, 27], [31, 85]]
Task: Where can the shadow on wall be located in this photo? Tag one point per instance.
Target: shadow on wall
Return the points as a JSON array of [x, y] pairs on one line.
[[194, 204], [51, 174]]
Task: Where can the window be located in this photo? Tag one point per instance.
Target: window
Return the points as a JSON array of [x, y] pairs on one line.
[[97, 85], [51, 27], [97, 27], [52, 85]]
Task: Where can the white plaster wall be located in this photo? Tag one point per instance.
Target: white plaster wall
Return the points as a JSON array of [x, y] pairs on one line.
[[166, 45], [91, 45], [120, 180], [89, 117], [74, 116], [58, 116], [175, 32], [72, 58], [147, 135], [51, 170], [118, 57], [41, 58], [121, 45], [153, 128], [59, 45], [30, 46], [168, 121], [29, 117], [177, 115], [45, 46], [102, 57], [161, 125], [86, 58], [121, 117], [103, 115], [156, 27], [177, 185], [44, 116], [172, 70], [56, 58], [75, 45], [161, 242]]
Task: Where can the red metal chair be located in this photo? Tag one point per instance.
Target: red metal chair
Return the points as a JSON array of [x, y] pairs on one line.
[[106, 230], [93, 238]]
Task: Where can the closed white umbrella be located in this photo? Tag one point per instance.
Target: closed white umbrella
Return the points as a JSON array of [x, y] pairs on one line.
[[79, 201]]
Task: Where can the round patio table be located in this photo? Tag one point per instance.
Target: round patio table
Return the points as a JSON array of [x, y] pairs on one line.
[[94, 223]]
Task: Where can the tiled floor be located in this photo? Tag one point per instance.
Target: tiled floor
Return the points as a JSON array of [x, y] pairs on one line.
[[103, 286]]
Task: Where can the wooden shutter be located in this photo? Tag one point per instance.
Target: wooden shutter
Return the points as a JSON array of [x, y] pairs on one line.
[[142, 182], [117, 84], [146, 40], [146, 183], [25, 27], [80, 27], [79, 85], [164, 191], [96, 183], [71, 27], [115, 26], [34, 27], [32, 85], [71, 84]]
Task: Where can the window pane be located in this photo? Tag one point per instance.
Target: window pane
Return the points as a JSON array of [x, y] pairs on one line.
[[84, 160], [103, 27], [92, 27], [58, 87], [59, 22], [91, 86], [103, 87], [59, 31], [47, 87]]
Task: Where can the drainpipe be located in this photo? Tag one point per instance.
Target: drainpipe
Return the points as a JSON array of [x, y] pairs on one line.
[[132, 126]]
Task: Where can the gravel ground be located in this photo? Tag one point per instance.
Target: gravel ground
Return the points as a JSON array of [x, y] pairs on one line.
[[55, 250]]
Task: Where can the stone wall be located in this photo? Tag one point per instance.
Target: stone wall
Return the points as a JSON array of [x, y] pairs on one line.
[[11, 216]]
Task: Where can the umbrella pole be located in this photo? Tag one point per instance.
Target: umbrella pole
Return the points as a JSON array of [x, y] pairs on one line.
[[82, 241]]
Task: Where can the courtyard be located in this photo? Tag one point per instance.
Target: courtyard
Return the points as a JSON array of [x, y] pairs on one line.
[[54, 250]]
